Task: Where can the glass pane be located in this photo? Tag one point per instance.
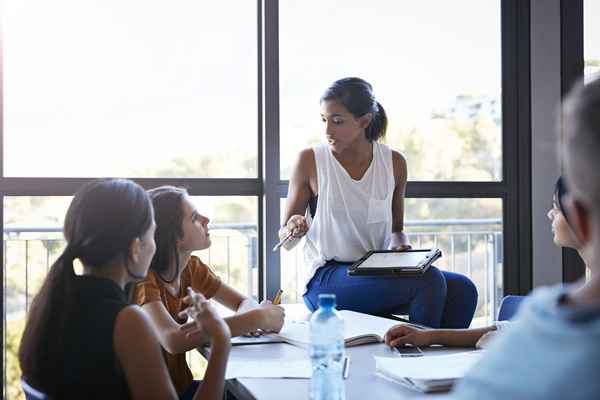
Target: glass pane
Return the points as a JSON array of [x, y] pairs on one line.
[[439, 83], [591, 36], [154, 89], [33, 240], [469, 233]]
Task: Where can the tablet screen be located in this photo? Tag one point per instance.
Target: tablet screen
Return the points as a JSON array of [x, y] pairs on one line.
[[393, 259]]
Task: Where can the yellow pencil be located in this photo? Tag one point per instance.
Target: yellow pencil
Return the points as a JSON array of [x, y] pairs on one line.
[[277, 298]]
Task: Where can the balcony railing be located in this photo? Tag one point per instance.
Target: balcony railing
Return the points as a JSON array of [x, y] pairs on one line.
[[472, 247]]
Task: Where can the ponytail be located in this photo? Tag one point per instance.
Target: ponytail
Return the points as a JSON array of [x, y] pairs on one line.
[[378, 126], [42, 344]]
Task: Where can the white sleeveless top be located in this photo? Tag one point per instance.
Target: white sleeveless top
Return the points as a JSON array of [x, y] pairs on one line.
[[352, 216]]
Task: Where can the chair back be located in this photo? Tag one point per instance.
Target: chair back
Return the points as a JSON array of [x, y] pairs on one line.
[[32, 393], [509, 306]]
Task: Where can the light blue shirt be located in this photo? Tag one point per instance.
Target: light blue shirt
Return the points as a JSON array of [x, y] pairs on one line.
[[551, 351]]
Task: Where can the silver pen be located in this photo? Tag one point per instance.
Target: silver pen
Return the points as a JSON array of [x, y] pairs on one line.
[[285, 239]]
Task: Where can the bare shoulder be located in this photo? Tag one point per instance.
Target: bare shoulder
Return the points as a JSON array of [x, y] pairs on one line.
[[398, 159], [305, 167], [132, 323], [306, 158], [400, 168]]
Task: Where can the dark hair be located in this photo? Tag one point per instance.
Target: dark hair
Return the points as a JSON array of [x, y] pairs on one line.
[[560, 191], [582, 140], [168, 213], [357, 96], [102, 221]]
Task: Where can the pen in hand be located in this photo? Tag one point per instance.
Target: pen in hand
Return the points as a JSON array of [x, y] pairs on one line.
[[282, 242], [277, 298]]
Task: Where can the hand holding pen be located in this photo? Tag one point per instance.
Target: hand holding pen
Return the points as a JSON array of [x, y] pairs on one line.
[[291, 232]]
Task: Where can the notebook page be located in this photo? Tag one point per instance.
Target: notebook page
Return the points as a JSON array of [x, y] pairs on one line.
[[451, 366]]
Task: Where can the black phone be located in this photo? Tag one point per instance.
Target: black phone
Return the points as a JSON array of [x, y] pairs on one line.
[[408, 350]]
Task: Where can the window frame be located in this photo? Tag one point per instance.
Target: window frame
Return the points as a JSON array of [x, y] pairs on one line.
[[572, 69]]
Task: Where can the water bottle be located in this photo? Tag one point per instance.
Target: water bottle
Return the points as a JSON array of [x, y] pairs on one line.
[[327, 351]]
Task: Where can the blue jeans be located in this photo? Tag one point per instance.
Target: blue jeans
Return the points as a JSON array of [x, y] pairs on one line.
[[436, 299]]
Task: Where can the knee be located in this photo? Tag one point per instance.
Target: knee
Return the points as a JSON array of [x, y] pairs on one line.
[[435, 280], [309, 303], [464, 287]]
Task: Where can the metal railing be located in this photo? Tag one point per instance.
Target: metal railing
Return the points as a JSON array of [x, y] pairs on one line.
[[472, 247]]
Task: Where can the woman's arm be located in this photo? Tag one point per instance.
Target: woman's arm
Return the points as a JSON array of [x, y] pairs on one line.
[[208, 320], [399, 239], [250, 316], [302, 185], [405, 334], [138, 352], [169, 332]]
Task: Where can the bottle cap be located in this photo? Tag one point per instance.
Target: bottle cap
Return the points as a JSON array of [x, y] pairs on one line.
[[327, 300]]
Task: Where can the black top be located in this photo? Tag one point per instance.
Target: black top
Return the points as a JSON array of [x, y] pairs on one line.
[[91, 369]]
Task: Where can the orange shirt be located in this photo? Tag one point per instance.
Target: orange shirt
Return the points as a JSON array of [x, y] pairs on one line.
[[203, 280]]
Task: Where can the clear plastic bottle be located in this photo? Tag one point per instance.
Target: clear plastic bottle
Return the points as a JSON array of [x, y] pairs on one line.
[[327, 351]]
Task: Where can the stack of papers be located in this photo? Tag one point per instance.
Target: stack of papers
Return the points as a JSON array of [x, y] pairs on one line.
[[427, 374]]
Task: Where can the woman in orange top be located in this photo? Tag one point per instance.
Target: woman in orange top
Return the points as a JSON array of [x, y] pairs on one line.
[[180, 230]]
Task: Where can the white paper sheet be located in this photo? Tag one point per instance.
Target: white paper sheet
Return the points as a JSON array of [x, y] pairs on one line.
[[296, 369]]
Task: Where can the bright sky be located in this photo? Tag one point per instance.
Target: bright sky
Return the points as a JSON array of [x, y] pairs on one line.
[[107, 87]]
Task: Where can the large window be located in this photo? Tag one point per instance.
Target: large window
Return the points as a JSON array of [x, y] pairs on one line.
[[136, 88], [434, 68]]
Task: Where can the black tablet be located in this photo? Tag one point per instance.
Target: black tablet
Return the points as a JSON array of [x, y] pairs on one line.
[[395, 262]]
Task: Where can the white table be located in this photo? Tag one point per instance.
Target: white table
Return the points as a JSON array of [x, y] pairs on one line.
[[362, 382]]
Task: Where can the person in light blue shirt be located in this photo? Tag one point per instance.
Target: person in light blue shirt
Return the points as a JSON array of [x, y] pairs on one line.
[[552, 351]]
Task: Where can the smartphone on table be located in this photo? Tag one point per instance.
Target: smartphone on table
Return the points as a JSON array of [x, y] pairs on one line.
[[408, 350]]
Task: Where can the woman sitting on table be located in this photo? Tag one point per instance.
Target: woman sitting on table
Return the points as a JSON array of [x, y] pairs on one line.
[[564, 236], [358, 186], [83, 340]]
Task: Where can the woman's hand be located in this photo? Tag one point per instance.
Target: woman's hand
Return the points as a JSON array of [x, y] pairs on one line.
[[297, 225], [399, 241], [401, 247], [206, 319], [405, 334], [272, 316]]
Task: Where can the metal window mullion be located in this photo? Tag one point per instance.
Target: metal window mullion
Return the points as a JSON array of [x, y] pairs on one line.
[[271, 156], [53, 186], [260, 253]]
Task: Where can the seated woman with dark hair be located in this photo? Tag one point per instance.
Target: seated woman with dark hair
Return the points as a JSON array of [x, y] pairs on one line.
[[82, 339]]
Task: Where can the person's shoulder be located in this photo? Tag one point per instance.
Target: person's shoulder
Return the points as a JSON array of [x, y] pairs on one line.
[[151, 280], [398, 158], [307, 156], [133, 331], [195, 262], [544, 297], [305, 164], [399, 165], [132, 319]]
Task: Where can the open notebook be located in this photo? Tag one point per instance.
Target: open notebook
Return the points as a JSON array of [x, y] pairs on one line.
[[427, 374], [358, 329]]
